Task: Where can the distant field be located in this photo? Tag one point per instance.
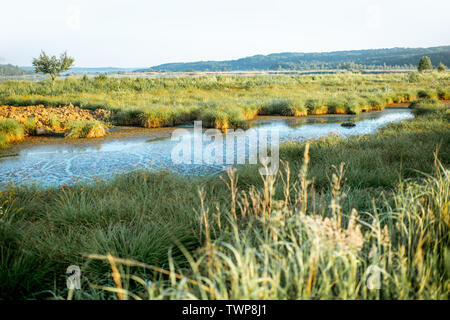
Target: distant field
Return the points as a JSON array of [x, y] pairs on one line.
[[130, 72], [226, 101]]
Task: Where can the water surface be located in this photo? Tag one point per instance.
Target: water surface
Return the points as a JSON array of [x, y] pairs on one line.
[[65, 163]]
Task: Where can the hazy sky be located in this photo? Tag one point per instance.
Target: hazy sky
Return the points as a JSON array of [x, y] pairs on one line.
[[132, 33]]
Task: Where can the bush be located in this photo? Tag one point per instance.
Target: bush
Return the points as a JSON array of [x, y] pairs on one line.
[[441, 67], [155, 117], [414, 77], [424, 64]]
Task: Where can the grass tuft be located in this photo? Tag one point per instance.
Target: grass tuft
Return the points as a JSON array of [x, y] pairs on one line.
[[86, 129], [10, 131]]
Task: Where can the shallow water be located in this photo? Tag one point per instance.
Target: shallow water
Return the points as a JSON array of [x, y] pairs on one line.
[[65, 163]]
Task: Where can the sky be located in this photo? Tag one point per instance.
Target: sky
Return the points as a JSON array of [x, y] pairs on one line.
[[133, 33]]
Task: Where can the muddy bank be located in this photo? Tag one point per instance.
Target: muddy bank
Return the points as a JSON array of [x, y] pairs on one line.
[[52, 119]]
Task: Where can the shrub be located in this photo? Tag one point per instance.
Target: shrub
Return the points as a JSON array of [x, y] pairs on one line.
[[250, 109], [406, 96], [416, 103], [101, 77], [414, 77], [441, 67], [424, 64]]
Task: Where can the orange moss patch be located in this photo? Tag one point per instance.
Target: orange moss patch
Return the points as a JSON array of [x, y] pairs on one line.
[[55, 118]]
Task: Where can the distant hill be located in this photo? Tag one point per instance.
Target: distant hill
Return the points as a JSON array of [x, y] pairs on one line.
[[10, 70], [363, 59]]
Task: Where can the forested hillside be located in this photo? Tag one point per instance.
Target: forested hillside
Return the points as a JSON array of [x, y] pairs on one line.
[[10, 70], [362, 59]]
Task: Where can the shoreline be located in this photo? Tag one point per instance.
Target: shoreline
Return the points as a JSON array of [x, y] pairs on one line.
[[124, 132]]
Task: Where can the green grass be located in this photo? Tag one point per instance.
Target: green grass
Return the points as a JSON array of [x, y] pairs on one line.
[[430, 107], [30, 126], [283, 107], [225, 102], [10, 131], [86, 129], [395, 152], [309, 232], [283, 250], [134, 216]]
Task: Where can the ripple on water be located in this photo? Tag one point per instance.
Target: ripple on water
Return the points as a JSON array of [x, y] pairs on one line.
[[59, 164]]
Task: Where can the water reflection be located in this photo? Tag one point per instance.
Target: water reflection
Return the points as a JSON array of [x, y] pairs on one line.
[[58, 164]]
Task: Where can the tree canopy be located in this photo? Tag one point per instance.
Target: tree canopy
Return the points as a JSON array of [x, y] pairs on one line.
[[11, 70], [52, 65], [376, 59], [424, 64]]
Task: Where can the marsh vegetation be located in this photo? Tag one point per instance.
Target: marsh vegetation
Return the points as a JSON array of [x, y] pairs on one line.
[[225, 101], [337, 209]]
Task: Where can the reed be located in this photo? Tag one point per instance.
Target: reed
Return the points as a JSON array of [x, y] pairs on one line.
[[85, 129], [154, 102], [337, 212], [10, 131]]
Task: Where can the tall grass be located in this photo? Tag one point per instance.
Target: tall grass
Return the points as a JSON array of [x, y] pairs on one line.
[[86, 129], [318, 229], [283, 107], [430, 107], [289, 249], [30, 126], [10, 131], [224, 102]]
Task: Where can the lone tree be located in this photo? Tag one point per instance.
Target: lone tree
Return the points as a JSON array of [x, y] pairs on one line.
[[424, 64], [52, 65], [441, 67]]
